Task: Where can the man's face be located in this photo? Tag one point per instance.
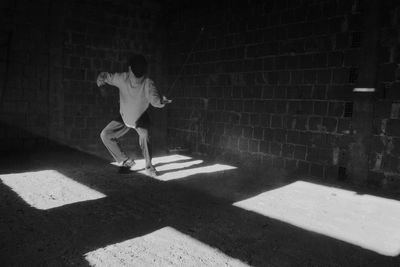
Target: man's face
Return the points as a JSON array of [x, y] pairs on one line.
[[131, 74]]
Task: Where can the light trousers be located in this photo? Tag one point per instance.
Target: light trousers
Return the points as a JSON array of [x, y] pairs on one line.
[[116, 128]]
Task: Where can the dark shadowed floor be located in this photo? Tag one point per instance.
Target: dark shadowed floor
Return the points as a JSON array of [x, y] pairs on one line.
[[48, 219]]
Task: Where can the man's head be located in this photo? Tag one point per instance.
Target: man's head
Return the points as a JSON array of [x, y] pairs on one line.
[[138, 65]]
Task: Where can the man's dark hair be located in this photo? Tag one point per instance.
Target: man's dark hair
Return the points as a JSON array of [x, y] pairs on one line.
[[138, 65]]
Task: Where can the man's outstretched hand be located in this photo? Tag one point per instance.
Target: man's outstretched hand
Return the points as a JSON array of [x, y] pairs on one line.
[[165, 100], [100, 79]]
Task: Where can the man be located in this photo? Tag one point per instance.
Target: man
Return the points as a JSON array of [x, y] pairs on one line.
[[136, 93]]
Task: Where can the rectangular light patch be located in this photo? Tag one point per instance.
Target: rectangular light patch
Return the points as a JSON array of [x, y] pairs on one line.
[[48, 189], [140, 164], [364, 90], [188, 172], [364, 220], [178, 165], [164, 247]]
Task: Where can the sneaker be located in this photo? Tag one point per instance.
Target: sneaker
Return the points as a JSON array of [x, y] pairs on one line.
[[129, 163], [151, 171]]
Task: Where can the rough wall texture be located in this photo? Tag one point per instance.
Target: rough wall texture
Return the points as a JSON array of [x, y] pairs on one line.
[[55, 53], [385, 155], [24, 68], [270, 82], [99, 37], [264, 83]]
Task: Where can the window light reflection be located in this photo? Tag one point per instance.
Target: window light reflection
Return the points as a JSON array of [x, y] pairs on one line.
[[364, 220], [164, 247], [48, 189]]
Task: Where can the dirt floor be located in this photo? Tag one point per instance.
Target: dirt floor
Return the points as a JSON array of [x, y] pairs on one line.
[[65, 208]]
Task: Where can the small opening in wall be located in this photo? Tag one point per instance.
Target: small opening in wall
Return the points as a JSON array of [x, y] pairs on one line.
[[342, 174], [348, 109], [356, 8], [353, 75], [385, 88], [356, 38]]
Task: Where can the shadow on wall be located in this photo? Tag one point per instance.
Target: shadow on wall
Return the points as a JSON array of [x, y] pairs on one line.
[[14, 138]]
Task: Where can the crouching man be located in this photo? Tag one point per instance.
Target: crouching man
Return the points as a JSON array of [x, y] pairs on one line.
[[136, 93]]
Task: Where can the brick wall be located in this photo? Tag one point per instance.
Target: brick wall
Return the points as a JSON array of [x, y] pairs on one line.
[[385, 155], [24, 68], [99, 37], [265, 83], [57, 51], [270, 82]]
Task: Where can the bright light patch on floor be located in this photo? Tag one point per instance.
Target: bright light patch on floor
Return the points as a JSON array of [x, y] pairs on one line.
[[168, 163], [188, 172], [140, 164], [364, 220], [48, 189], [177, 166], [164, 247]]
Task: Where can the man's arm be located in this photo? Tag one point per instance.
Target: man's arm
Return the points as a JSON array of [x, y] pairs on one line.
[[154, 97], [109, 78]]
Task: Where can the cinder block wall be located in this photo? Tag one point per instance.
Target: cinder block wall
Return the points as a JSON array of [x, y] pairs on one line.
[[385, 152], [99, 36], [267, 84], [56, 50], [24, 72], [270, 84]]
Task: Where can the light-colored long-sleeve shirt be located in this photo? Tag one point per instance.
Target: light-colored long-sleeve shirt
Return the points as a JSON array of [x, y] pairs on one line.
[[134, 98]]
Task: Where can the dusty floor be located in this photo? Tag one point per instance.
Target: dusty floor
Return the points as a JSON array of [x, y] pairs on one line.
[[134, 220]]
